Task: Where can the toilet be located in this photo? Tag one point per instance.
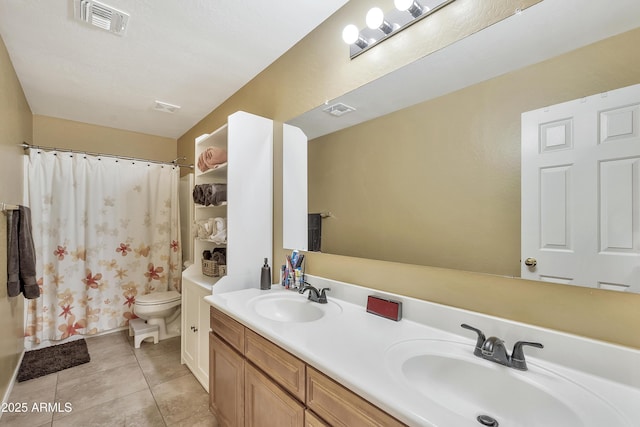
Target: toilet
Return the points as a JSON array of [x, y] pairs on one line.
[[161, 309]]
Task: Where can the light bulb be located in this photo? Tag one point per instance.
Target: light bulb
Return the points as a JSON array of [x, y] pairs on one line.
[[350, 34], [402, 4], [375, 18], [411, 6]]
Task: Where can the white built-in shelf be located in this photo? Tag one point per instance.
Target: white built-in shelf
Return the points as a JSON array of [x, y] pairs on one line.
[[211, 241], [222, 167], [210, 206], [194, 273], [248, 140], [219, 137], [219, 170]]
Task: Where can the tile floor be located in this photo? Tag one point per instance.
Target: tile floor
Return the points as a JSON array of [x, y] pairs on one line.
[[121, 386]]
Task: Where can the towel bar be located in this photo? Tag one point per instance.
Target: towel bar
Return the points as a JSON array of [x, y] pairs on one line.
[[8, 207]]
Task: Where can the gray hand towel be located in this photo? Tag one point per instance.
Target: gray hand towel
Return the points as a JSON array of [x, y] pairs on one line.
[[219, 194], [209, 192], [198, 195], [21, 255]]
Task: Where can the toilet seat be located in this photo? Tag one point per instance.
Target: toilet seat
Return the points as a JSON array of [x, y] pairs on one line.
[[156, 298]]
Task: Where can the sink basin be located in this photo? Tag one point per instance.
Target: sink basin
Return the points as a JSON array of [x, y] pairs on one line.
[[449, 375], [291, 307]]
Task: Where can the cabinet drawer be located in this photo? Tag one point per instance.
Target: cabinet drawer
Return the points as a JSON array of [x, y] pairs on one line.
[[285, 369], [340, 406], [228, 329]]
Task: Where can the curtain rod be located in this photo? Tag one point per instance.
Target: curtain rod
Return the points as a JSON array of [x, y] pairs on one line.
[[28, 146]]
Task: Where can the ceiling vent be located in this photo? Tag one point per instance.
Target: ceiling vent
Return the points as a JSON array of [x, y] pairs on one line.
[[338, 109], [165, 107], [101, 16]]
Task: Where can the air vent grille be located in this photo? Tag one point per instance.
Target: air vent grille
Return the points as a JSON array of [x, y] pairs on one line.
[[102, 16], [338, 109], [166, 107]]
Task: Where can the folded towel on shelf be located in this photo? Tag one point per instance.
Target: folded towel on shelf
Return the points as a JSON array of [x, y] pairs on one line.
[[219, 235], [198, 194], [219, 256], [219, 195], [21, 255], [210, 194], [211, 157], [209, 191]]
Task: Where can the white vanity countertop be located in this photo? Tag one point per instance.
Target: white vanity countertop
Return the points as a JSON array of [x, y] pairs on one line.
[[351, 347]]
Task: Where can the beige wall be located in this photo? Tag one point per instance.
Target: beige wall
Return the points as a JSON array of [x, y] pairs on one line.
[[15, 127], [318, 69], [60, 133], [439, 183]]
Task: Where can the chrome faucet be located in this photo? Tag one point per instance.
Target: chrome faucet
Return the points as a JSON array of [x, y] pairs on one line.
[[315, 295], [493, 349]]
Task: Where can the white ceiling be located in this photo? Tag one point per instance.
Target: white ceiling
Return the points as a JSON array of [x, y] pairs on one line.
[[192, 53], [545, 30]]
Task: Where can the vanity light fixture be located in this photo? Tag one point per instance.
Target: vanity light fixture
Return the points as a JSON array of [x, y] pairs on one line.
[[381, 26], [411, 6], [375, 20], [351, 35]]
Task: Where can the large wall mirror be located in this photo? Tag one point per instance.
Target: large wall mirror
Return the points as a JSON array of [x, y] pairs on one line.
[[426, 170]]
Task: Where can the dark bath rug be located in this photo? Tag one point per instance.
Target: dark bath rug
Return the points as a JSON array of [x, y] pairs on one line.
[[45, 361]]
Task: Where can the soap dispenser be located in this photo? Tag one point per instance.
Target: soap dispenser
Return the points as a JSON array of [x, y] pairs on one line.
[[265, 278]]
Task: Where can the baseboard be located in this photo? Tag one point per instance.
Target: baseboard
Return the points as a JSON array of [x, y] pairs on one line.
[[14, 377]]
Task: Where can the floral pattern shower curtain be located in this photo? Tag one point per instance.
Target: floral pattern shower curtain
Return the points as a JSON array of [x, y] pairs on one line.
[[105, 232]]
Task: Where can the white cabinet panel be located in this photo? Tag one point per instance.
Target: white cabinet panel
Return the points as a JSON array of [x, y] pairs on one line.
[[295, 233]]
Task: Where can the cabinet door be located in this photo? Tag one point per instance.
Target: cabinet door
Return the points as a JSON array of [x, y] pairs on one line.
[[312, 420], [195, 331], [226, 383], [267, 405], [202, 365], [189, 322]]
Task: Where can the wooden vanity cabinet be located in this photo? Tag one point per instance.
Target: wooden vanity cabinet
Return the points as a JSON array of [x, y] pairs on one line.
[[266, 404], [312, 420], [255, 383], [226, 383], [228, 329], [340, 406], [285, 369]]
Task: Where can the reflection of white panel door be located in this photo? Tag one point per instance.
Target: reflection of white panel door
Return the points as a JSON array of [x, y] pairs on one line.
[[581, 191]]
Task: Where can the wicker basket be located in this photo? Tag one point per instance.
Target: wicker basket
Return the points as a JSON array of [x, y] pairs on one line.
[[210, 268]]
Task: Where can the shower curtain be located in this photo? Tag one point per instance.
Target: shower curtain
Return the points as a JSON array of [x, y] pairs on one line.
[[106, 230]]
